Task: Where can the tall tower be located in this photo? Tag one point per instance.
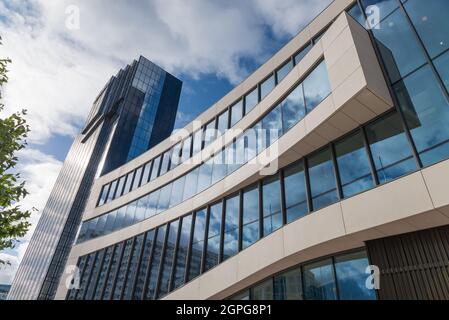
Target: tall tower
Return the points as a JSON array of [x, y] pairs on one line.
[[124, 122]]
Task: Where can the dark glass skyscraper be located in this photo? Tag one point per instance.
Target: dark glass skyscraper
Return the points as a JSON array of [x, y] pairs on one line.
[[124, 122]]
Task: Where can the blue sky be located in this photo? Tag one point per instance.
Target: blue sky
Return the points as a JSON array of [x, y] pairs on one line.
[[57, 70]]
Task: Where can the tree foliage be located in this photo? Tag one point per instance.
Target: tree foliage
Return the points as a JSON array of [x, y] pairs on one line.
[[13, 133]]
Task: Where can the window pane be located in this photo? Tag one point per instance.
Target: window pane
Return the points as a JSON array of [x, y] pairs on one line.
[[391, 153], [271, 191], [427, 114], [132, 268], [231, 158], [442, 65], [137, 178], [144, 265], [353, 165], [152, 203], [293, 109], [236, 112], [110, 222], [295, 192], [430, 20], [112, 271], [104, 194], [120, 186], [284, 70], [251, 100], [103, 273], [272, 125], [351, 277], [119, 219], [213, 236], [266, 87], [316, 86], [223, 120], [155, 171], [181, 255], [155, 262], [219, 170], [231, 232], [301, 54], [244, 296], [176, 193], [398, 46], [191, 182], [205, 176], [250, 137], [146, 173], [112, 191], [129, 182], [175, 156], [197, 244], [385, 6], [322, 179], [357, 14], [263, 291], [209, 133], [165, 163], [288, 286], [250, 232], [142, 205], [164, 198], [122, 270], [130, 214], [197, 143], [187, 146], [168, 258], [319, 282]]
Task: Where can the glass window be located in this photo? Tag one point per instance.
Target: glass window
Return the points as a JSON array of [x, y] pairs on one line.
[[120, 218], [177, 190], [319, 281], [223, 121], [152, 203], [250, 137], [155, 262], [288, 285], [129, 182], [322, 179], [130, 214], [146, 174], [316, 86], [111, 195], [231, 227], [197, 246], [293, 108], [351, 277], [353, 165], [385, 6], [284, 70], [132, 268], [240, 151], [209, 133], [168, 255], [213, 236], [263, 291], [123, 265], [430, 20], [302, 53], [175, 156], [219, 170], [186, 148], [295, 192], [250, 221], [426, 111], [120, 186], [267, 86], [236, 112], [231, 158], [164, 198], [137, 178], [112, 271], [398, 46], [103, 273], [442, 65], [104, 194], [191, 182], [110, 222], [272, 216], [155, 171], [197, 142], [141, 208], [251, 100], [391, 152], [357, 14], [272, 125], [101, 225], [181, 255], [205, 176], [165, 163], [144, 264]]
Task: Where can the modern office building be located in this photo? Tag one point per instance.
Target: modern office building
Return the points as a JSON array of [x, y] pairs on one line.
[[135, 111], [329, 161]]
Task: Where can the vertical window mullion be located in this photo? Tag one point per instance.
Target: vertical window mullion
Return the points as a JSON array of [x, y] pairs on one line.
[[261, 217], [240, 231], [334, 271], [189, 249], [139, 263], [119, 262], [283, 202], [175, 254], [370, 156], [161, 263], [206, 234], [307, 184], [127, 267], [222, 231], [150, 261], [336, 171]]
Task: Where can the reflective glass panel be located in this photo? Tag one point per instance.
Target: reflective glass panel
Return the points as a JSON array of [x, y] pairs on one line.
[[155, 262], [186, 148], [137, 178], [284, 70], [165, 163], [442, 65], [175, 156], [155, 171], [197, 246], [213, 236], [219, 170], [271, 190], [272, 125], [316, 86], [231, 227], [293, 108], [250, 231], [181, 255], [223, 120], [295, 192], [267, 86], [205, 176], [129, 182], [288, 285], [144, 265], [177, 190], [236, 112], [164, 198], [152, 203], [191, 182], [263, 291], [251, 100], [301, 54], [111, 195], [319, 281], [146, 173], [167, 262]]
